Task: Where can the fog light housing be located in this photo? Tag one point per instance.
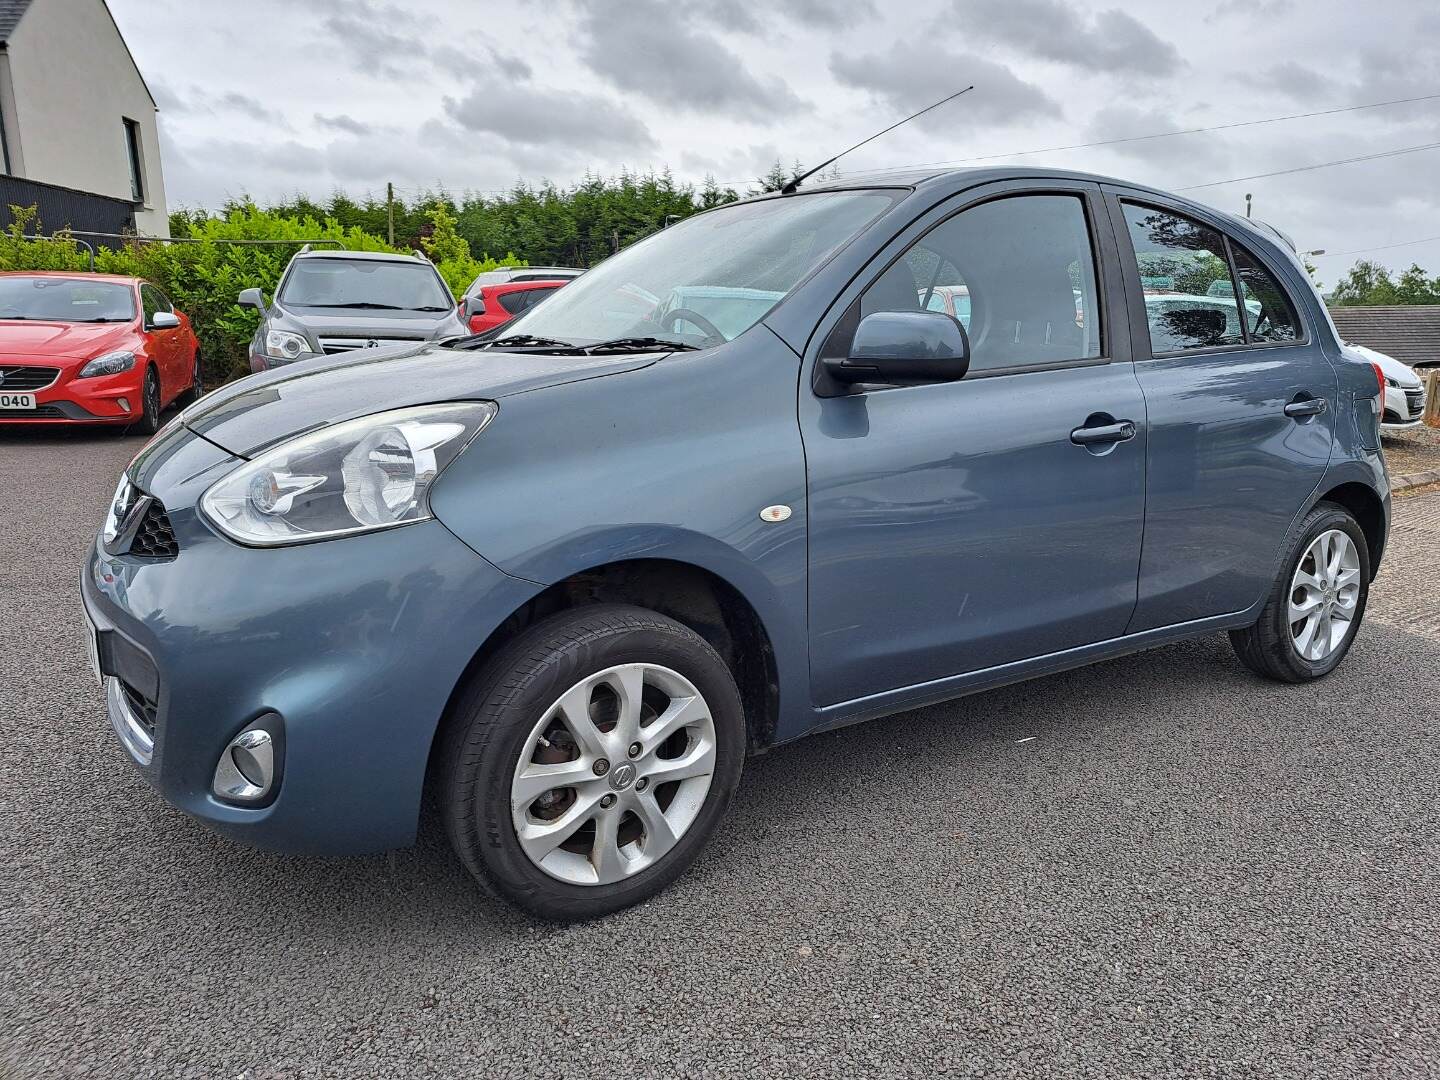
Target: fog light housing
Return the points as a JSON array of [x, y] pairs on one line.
[[124, 403], [248, 772]]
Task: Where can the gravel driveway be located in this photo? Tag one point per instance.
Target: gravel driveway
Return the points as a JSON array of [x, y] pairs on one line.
[[1155, 867]]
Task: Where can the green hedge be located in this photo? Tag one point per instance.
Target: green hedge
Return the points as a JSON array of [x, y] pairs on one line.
[[203, 277]]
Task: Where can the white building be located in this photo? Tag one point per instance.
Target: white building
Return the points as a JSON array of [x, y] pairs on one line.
[[75, 113]]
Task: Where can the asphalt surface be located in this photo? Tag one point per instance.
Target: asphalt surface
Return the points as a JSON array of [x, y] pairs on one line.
[[1156, 867]]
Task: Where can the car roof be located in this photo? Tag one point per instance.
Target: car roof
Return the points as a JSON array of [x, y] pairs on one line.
[[521, 286], [116, 279], [973, 176], [364, 256]]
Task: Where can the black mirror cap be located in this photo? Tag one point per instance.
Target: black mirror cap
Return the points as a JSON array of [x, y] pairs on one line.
[[252, 298], [904, 348]]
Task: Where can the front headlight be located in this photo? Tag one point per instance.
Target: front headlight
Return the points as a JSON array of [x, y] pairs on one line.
[[110, 364], [283, 345], [365, 474], [1392, 383]]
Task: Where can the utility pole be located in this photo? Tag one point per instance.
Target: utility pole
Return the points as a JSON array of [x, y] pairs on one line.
[[390, 211]]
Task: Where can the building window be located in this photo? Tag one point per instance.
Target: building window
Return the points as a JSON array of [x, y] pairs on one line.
[[137, 171]]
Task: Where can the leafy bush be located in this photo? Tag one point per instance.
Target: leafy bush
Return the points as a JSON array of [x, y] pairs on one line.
[[205, 272]]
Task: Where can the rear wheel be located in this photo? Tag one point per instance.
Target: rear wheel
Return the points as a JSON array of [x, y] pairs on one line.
[[197, 382], [1316, 605], [587, 764], [149, 421]]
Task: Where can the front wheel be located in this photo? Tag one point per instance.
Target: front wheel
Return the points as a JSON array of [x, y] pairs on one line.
[[149, 422], [586, 765], [1315, 608]]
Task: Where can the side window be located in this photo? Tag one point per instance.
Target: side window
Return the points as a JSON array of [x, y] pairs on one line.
[[1018, 273], [150, 302], [1185, 277], [1269, 314], [515, 302]]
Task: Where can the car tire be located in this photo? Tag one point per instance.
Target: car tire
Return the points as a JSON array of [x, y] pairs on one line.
[[490, 740], [197, 382], [1278, 647], [149, 422]]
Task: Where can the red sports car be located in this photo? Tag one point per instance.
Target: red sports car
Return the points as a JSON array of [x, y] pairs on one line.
[[92, 349], [497, 304]]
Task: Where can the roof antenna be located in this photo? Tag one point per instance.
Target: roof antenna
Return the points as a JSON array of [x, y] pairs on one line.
[[794, 185]]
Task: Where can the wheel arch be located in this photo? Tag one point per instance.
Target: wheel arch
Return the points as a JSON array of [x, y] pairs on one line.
[[692, 595], [1365, 504]]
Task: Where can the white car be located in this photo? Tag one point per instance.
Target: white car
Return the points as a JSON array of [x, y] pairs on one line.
[[1404, 392]]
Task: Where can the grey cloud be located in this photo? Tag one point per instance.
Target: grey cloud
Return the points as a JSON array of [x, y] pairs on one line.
[[653, 50], [465, 62], [909, 76], [1252, 9], [1179, 155], [1292, 79], [1110, 41], [342, 122], [533, 116], [194, 99]]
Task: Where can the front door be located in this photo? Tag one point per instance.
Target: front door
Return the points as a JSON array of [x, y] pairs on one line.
[[960, 526], [1242, 408], [164, 345]]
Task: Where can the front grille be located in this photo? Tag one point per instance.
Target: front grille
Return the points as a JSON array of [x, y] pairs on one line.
[[1415, 400], [19, 379], [154, 538], [143, 708], [333, 345], [47, 412]]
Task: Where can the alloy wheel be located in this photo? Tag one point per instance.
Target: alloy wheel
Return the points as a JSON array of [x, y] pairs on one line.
[[614, 774], [1324, 593]]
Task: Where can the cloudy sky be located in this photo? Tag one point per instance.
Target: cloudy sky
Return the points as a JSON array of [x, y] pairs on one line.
[[279, 96]]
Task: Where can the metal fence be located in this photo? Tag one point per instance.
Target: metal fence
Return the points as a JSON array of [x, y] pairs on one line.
[[61, 207]]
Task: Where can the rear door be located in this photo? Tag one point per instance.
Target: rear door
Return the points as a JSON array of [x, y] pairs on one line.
[[960, 526], [1241, 404]]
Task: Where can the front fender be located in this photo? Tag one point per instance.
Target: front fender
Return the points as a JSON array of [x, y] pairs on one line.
[[672, 462]]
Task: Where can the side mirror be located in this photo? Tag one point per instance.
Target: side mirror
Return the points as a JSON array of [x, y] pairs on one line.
[[164, 320], [904, 348], [473, 306], [252, 298]]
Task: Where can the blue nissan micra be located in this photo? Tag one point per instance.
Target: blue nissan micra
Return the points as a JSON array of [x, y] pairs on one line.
[[757, 476]]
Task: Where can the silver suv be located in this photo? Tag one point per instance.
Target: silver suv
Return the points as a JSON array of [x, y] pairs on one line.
[[332, 302]]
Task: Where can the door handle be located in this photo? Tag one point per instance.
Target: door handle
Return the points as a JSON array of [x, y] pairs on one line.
[[1122, 431], [1305, 407]]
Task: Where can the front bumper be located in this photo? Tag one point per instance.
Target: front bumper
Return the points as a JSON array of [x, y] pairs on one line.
[[1404, 407], [356, 644], [104, 399]]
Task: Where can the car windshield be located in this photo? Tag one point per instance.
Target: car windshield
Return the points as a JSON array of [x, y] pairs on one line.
[[65, 300], [708, 279], [364, 283]]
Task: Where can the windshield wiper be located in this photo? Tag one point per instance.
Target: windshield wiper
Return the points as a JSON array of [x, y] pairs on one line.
[[429, 309], [368, 304], [104, 319], [529, 341], [640, 344]]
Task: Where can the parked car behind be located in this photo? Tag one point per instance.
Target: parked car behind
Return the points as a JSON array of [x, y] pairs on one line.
[[1404, 392], [495, 305], [569, 587], [92, 349], [506, 275], [331, 302]]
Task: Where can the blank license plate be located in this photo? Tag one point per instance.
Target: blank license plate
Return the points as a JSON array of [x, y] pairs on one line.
[[17, 401]]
